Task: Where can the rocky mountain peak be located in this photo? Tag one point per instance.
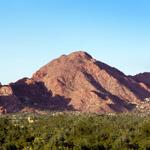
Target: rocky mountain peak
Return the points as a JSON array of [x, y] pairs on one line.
[[81, 83], [80, 54]]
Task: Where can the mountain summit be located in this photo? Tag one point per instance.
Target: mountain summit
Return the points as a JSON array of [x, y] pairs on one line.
[[78, 82]]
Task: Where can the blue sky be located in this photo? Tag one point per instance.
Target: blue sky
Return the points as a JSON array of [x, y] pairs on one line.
[[33, 32]]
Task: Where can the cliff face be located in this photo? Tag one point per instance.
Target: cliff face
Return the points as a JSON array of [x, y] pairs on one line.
[[79, 82]]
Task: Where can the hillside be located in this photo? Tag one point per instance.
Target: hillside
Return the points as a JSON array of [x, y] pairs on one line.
[[78, 82]]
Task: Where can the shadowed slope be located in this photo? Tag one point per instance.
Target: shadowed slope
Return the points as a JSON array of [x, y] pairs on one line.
[[35, 95], [143, 79], [8, 101]]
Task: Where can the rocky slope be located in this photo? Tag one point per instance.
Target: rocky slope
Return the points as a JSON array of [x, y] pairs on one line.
[[78, 82], [8, 101], [143, 79], [33, 94]]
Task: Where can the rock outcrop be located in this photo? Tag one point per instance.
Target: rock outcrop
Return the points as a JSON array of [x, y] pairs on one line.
[[8, 101]]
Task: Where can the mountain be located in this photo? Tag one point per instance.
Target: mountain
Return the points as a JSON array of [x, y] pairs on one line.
[[9, 103], [143, 79], [78, 82]]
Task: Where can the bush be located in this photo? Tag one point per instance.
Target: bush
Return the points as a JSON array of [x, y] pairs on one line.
[[75, 132]]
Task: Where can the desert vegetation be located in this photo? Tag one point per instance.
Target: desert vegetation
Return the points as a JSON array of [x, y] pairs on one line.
[[75, 131]]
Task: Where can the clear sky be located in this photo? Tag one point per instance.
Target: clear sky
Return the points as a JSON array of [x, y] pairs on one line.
[[33, 32]]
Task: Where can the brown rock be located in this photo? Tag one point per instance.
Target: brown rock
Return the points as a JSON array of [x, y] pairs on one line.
[[35, 96], [143, 78], [9, 103]]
